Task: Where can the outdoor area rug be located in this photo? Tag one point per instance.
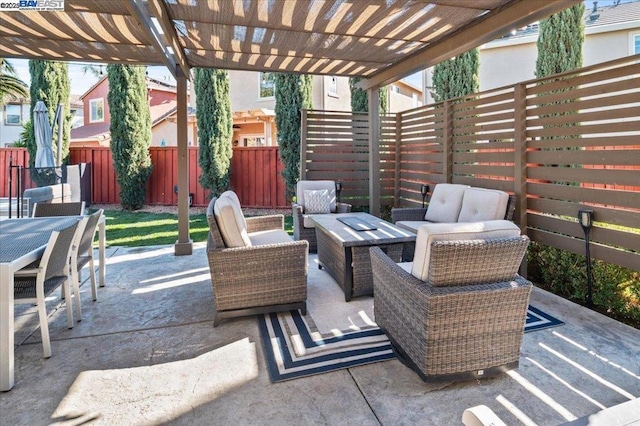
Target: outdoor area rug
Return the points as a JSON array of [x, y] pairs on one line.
[[295, 348]]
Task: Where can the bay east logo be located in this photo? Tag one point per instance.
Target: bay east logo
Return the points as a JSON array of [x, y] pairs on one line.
[[31, 5]]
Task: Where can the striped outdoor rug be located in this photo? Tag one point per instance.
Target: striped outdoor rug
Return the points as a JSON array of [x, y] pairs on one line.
[[294, 347]]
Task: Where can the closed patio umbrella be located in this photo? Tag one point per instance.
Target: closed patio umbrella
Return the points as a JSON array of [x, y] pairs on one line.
[[43, 133]]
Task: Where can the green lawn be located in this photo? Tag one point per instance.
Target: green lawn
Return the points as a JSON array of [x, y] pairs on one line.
[[133, 229]]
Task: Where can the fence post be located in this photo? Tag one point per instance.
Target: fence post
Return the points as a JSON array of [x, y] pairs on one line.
[[398, 160], [447, 142], [303, 145], [374, 151], [520, 155], [520, 162]]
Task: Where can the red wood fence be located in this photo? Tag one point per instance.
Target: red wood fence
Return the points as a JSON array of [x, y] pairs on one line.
[[255, 175]]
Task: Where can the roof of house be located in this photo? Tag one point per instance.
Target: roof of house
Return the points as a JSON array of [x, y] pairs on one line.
[[616, 13], [94, 131]]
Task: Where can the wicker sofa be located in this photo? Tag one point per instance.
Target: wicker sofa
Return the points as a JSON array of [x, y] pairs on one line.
[[451, 203], [303, 227], [255, 265], [458, 310]]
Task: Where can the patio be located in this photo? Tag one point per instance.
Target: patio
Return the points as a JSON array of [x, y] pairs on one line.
[[147, 353]]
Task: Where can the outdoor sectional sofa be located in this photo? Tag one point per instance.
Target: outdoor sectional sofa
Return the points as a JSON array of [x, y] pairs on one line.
[[451, 203]]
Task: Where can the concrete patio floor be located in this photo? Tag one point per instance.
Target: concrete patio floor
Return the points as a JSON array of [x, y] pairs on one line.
[[146, 353]]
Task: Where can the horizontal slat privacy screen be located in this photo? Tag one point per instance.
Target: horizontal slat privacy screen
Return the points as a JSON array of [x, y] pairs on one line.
[[560, 144]]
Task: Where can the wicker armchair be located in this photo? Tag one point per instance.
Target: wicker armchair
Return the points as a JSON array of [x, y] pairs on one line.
[[466, 319], [303, 227], [259, 278]]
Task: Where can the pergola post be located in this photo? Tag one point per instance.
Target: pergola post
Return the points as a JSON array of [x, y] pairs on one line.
[[184, 245], [374, 151]]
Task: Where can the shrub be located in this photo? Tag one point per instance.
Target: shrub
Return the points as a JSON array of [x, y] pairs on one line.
[[616, 290]]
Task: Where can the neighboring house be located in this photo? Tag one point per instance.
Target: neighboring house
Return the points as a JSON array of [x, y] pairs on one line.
[[252, 102], [95, 131], [76, 108], [14, 114], [611, 32]]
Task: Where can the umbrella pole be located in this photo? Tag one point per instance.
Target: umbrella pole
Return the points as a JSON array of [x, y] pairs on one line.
[[60, 132]]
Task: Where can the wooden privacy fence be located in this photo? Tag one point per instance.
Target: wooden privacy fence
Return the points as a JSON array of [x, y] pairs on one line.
[[335, 146], [560, 144], [255, 175]]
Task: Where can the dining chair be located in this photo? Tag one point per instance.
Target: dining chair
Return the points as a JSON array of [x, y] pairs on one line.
[[82, 253], [58, 209], [33, 285]]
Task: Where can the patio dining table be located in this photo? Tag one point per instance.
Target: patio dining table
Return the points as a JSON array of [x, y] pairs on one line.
[[23, 241]]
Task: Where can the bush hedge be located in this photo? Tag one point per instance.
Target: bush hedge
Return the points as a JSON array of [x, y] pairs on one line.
[[616, 290]]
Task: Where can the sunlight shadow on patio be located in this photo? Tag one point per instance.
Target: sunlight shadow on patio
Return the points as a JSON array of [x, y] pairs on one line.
[[542, 396], [188, 278], [151, 389], [601, 358]]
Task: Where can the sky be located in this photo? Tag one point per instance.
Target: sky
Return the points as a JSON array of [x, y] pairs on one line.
[[81, 82]]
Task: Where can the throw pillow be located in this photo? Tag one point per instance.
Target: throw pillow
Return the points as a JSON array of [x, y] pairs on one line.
[[317, 202]]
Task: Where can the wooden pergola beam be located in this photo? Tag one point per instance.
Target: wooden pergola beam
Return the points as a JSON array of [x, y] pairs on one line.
[[171, 60], [159, 9], [493, 25]]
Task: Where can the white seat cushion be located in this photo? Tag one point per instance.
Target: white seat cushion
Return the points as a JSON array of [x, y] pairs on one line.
[[407, 266], [429, 233], [231, 222], [445, 203], [480, 204], [311, 185], [411, 225], [272, 236], [307, 222]]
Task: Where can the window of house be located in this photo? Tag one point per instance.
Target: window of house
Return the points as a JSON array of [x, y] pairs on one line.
[[253, 141], [96, 110], [13, 114], [267, 85], [635, 44], [332, 88]]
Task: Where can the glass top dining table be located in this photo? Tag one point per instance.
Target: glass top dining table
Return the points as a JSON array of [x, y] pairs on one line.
[[23, 241]]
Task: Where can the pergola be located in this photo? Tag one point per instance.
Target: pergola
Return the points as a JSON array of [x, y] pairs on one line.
[[380, 41]]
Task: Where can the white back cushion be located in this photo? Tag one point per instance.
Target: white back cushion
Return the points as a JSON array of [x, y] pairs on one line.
[[231, 222], [309, 185], [233, 197], [432, 232], [445, 203], [480, 204]]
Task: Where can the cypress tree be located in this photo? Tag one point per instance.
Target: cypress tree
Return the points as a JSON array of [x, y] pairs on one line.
[[215, 128], [560, 42], [292, 93], [50, 83], [360, 98], [130, 132], [456, 77], [559, 50]]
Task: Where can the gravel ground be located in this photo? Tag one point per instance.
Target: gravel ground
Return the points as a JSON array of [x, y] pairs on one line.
[[192, 210]]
